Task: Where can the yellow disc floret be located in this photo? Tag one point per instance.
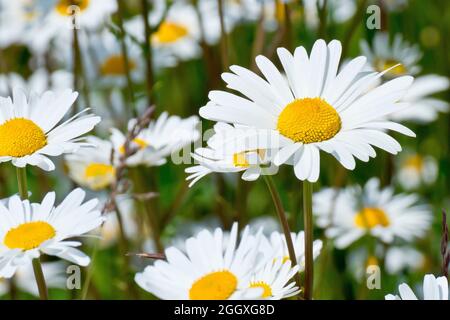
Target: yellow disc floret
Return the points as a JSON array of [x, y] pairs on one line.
[[169, 32], [309, 120], [20, 137], [369, 218], [267, 290], [115, 66], [63, 7], [99, 175], [219, 285], [29, 235]]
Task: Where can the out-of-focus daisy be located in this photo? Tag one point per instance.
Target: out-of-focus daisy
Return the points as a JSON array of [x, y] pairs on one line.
[[311, 109], [371, 211], [24, 279], [31, 229], [163, 137], [274, 248], [39, 82], [92, 167], [433, 289], [15, 17], [215, 159], [423, 108], [403, 258], [56, 21], [383, 55], [29, 130], [416, 170], [210, 269], [275, 279]]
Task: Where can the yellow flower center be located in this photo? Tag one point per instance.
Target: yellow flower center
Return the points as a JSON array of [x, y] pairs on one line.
[[139, 143], [279, 11], [369, 218], [372, 261], [267, 290], [29, 235], [63, 6], [382, 65], [309, 120], [218, 285], [115, 66], [169, 32], [240, 160], [99, 175], [414, 162], [20, 137]]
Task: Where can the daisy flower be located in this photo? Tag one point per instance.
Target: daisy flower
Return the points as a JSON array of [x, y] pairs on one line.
[[29, 130], [433, 289], [209, 270], [417, 170], [402, 258], [371, 211], [399, 57], [166, 135], [54, 274], [214, 159], [15, 17], [31, 229], [313, 108], [423, 108], [92, 167], [274, 248], [275, 280]]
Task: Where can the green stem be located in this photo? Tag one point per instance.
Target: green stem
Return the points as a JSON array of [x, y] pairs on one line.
[[284, 223], [40, 280], [22, 182], [308, 225], [147, 50], [223, 37], [90, 270]]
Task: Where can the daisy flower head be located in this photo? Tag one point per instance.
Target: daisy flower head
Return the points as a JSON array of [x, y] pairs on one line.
[[214, 158], [275, 280], [314, 107], [433, 289], [417, 170], [423, 108], [92, 167], [210, 269], [15, 17], [398, 56], [31, 229], [400, 258], [163, 137], [351, 213], [274, 248], [29, 130]]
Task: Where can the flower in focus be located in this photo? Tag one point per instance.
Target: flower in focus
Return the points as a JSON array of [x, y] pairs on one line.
[[215, 159], [399, 57], [29, 130], [209, 270], [92, 167], [313, 108], [351, 213], [423, 108], [416, 170], [31, 229], [433, 289], [166, 135]]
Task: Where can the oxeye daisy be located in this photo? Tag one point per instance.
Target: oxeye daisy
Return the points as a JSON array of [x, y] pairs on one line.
[[423, 108], [14, 19], [166, 135], [274, 248], [275, 280], [92, 167], [401, 258], [214, 159], [353, 213], [29, 130], [433, 289], [399, 56], [211, 269], [313, 108], [416, 170], [31, 229]]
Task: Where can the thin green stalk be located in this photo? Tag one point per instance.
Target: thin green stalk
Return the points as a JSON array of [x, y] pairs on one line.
[[37, 268], [147, 50], [124, 50], [223, 37], [284, 223], [90, 271], [308, 225], [353, 26], [323, 18]]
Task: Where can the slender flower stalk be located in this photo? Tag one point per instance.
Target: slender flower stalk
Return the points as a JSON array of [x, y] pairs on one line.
[[308, 226], [284, 223], [79, 77], [353, 26], [223, 37], [37, 268], [147, 50]]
